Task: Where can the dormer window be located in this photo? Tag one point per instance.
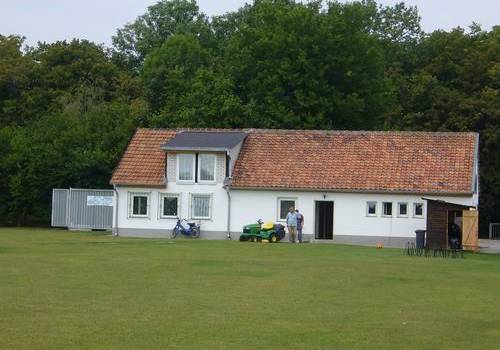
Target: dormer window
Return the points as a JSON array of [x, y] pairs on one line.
[[186, 167], [206, 167]]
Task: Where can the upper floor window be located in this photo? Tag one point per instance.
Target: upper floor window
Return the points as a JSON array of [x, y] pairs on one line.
[[206, 167], [185, 166]]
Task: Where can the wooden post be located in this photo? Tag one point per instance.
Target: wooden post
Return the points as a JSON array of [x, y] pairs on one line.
[[470, 228]]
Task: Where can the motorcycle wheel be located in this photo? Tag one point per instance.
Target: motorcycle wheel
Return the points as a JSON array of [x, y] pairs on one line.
[[196, 233], [174, 233]]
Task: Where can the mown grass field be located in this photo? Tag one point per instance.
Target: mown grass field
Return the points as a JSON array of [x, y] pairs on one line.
[[68, 290]]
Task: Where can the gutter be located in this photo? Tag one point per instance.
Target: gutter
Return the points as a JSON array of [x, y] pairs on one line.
[[332, 190], [116, 211]]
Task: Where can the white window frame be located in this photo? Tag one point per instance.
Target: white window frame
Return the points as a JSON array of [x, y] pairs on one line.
[[210, 206], [161, 203], [193, 156], [199, 168], [131, 196], [368, 206], [278, 207], [415, 210], [399, 210], [392, 210]]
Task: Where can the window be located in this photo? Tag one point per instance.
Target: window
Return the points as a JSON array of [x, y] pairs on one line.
[[185, 166], [418, 210], [402, 209], [169, 205], [138, 204], [387, 208], [201, 206], [206, 168], [371, 208], [284, 205]]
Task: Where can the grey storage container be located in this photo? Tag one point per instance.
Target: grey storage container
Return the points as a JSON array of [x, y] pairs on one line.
[[79, 209]]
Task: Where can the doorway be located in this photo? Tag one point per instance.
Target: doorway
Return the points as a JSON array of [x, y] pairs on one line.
[[324, 220]]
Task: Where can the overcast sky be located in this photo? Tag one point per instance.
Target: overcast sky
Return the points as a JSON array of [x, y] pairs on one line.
[[97, 20]]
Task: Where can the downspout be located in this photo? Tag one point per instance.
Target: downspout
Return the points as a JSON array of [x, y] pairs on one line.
[[116, 211], [228, 212], [227, 188]]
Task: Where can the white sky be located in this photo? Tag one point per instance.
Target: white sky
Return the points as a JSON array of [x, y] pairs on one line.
[[97, 20]]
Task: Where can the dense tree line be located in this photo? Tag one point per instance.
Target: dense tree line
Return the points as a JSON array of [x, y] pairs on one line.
[[67, 109]]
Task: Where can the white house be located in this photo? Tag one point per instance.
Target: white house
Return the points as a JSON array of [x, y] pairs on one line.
[[351, 186]]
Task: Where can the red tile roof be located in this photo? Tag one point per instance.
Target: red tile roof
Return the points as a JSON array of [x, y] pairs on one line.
[[143, 162], [326, 160], [357, 161]]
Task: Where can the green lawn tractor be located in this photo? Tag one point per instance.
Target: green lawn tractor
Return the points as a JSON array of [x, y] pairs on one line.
[[261, 231]]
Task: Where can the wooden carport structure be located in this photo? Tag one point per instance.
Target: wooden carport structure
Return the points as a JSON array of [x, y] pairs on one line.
[[439, 213]]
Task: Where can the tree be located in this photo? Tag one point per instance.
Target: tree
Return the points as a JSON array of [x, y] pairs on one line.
[[149, 31], [15, 69], [456, 89], [297, 66]]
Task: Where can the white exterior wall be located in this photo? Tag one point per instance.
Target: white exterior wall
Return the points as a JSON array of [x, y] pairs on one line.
[[350, 216], [153, 224], [218, 222]]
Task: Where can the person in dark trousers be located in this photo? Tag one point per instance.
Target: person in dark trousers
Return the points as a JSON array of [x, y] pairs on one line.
[[300, 224]]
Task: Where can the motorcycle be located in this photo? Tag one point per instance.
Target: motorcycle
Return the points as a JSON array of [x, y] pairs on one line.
[[188, 229]]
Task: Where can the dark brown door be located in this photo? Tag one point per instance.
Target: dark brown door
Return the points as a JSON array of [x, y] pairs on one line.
[[324, 220]]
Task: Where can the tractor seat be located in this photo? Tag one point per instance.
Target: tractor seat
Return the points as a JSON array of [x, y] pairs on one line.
[[268, 226]]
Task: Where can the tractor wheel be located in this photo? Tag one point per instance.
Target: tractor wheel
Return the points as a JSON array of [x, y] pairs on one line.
[[243, 238], [251, 239], [273, 238]]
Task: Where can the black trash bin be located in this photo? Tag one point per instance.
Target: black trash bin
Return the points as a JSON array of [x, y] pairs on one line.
[[420, 239]]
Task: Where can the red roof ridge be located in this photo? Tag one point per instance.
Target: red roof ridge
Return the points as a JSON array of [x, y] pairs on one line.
[[313, 131]]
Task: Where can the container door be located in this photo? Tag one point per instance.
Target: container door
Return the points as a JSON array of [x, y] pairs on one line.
[[60, 199]]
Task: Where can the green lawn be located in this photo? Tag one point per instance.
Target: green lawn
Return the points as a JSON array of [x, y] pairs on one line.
[[69, 290]]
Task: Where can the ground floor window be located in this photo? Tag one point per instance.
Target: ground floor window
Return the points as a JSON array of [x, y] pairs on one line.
[[201, 206], [169, 205], [371, 208], [418, 210], [138, 204], [387, 208], [284, 205], [402, 209]]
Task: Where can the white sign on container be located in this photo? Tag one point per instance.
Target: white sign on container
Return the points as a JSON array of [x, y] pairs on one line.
[[105, 201]]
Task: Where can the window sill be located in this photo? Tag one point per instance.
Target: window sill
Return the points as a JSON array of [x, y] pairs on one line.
[[204, 219], [179, 182], [387, 216], [207, 182], [403, 216], [418, 217], [371, 215], [138, 217], [168, 217]]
